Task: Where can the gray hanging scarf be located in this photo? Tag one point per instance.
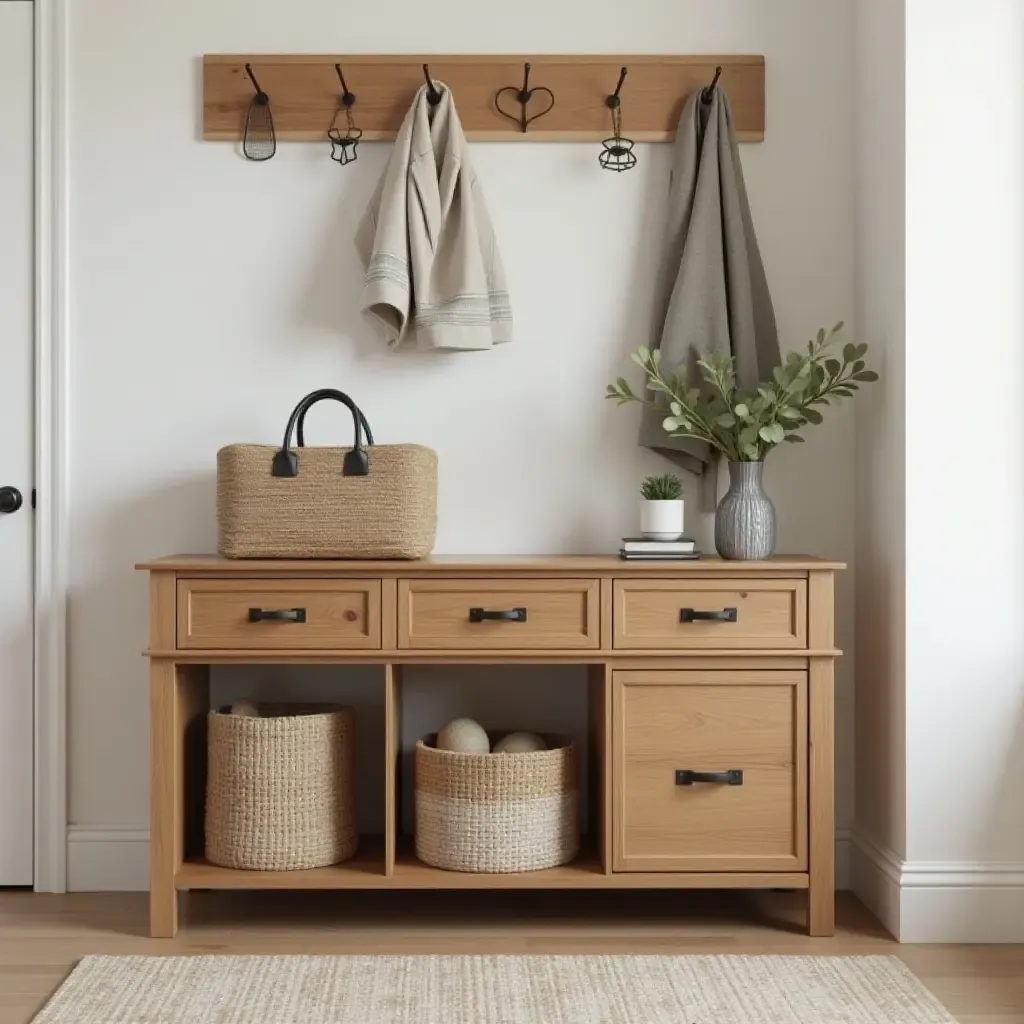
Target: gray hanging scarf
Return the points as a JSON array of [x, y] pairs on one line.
[[712, 292]]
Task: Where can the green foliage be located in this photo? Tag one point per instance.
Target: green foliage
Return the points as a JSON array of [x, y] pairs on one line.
[[744, 426], [666, 487]]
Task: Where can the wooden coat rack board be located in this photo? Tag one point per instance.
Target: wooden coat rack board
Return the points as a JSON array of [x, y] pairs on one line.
[[304, 93]]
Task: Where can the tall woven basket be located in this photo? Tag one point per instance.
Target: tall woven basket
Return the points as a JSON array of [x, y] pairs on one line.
[[367, 501], [497, 813], [280, 791]]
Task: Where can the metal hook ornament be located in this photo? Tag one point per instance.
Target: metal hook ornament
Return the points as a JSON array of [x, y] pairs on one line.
[[343, 147], [523, 96], [617, 152]]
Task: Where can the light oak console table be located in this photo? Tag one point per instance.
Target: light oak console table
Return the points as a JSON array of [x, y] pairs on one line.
[[710, 707]]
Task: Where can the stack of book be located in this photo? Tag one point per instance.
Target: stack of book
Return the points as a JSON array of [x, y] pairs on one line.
[[641, 549]]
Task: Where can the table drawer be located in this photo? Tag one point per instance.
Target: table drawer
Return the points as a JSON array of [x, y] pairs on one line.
[[517, 614], [749, 614], [710, 771], [279, 615]]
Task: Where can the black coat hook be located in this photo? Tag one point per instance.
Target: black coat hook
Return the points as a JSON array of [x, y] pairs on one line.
[[347, 98], [710, 90], [433, 96], [525, 93], [260, 94], [613, 101], [524, 96]]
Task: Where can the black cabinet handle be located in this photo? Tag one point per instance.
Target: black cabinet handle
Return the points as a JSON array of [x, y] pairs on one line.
[[508, 615], [695, 615], [686, 777], [277, 614]]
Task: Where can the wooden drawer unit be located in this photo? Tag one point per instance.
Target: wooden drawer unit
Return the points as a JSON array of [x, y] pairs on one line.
[[709, 770], [283, 615], [519, 614], [711, 613], [708, 717]]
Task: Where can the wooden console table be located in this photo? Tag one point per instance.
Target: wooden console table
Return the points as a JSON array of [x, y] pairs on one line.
[[710, 701]]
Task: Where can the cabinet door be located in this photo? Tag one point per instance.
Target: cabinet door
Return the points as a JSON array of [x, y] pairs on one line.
[[710, 770]]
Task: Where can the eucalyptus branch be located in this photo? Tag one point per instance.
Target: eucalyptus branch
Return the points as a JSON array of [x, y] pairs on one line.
[[746, 427]]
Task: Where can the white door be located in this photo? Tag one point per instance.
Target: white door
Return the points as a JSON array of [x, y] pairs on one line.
[[16, 444]]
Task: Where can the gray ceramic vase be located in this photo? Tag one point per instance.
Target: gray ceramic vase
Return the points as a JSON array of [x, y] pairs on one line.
[[745, 526]]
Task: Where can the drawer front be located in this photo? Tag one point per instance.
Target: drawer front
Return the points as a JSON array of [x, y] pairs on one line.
[[750, 614], [279, 615], [520, 614], [670, 724]]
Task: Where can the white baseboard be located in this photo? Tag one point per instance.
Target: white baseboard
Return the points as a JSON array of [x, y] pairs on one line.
[[114, 858], [108, 858], [916, 902], [939, 902], [875, 874], [844, 846]]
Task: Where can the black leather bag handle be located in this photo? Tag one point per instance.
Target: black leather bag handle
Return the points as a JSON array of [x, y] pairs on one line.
[[286, 461], [300, 426]]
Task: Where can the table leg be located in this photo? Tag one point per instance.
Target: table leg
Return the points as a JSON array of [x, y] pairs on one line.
[[821, 893]]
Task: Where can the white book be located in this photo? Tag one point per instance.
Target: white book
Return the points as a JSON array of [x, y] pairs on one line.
[[683, 546]]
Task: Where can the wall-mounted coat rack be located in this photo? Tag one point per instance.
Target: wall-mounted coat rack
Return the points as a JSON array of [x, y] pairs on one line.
[[304, 93]]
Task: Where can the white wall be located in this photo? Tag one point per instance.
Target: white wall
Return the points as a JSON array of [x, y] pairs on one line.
[[880, 500], [965, 416], [940, 819], [208, 294]]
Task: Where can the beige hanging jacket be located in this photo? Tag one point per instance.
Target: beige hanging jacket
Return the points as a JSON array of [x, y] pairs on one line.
[[432, 264]]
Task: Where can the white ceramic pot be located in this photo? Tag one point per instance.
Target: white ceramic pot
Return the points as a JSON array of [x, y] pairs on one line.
[[661, 520]]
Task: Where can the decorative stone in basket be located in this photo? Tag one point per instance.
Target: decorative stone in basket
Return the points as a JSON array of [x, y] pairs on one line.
[[497, 813], [367, 501], [280, 791]]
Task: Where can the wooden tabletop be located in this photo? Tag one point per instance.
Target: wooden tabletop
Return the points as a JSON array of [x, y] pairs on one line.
[[488, 563]]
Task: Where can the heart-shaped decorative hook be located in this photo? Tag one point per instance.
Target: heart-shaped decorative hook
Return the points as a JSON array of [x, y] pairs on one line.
[[523, 97]]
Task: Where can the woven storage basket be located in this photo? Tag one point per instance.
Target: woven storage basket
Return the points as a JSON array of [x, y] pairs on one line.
[[280, 790], [497, 813], [377, 501]]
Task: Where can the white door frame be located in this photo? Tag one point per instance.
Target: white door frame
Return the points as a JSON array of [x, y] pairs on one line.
[[51, 397]]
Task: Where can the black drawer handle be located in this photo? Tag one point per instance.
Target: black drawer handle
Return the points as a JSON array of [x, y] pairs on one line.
[[695, 615], [277, 614], [508, 615], [686, 777]]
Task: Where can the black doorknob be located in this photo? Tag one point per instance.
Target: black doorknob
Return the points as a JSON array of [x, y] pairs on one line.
[[10, 499]]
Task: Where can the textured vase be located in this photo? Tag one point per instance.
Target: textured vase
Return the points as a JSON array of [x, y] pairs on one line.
[[745, 526]]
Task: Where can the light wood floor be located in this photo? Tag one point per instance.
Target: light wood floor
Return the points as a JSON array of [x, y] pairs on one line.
[[42, 936]]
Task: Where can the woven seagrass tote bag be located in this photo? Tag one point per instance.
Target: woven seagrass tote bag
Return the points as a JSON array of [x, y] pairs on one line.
[[367, 501]]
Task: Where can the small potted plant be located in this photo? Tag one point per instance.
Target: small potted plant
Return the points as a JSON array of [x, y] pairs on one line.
[[661, 510], [744, 426]]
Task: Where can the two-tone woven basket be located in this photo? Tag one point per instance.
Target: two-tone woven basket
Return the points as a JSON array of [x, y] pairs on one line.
[[280, 790], [497, 813]]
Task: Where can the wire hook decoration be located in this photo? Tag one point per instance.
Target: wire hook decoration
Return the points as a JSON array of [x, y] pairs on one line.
[[258, 141], [617, 152], [523, 96], [343, 147], [433, 96]]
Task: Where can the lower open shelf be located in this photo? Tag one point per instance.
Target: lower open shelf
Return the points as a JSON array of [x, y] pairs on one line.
[[367, 870]]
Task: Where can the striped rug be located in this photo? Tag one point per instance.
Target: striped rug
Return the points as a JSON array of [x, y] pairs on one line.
[[492, 990]]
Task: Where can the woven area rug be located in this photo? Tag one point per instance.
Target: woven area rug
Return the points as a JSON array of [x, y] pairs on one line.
[[492, 990]]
